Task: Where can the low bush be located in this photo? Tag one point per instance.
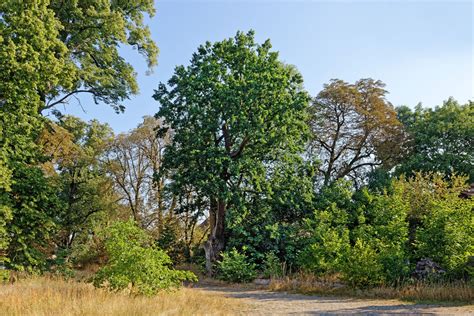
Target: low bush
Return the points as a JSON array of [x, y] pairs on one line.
[[447, 235], [362, 267], [272, 267], [234, 267], [4, 275], [134, 261]]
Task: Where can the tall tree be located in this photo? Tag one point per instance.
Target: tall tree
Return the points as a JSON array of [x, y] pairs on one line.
[[354, 129], [234, 111], [134, 160], [51, 50], [31, 58], [440, 139]]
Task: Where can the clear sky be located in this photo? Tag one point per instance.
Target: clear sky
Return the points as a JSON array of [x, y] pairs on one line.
[[422, 50]]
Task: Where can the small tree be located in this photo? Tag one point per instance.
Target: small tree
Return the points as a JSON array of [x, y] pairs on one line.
[[329, 241], [234, 267], [134, 261], [446, 234]]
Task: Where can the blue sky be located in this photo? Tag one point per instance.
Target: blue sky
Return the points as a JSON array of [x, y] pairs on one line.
[[422, 50]]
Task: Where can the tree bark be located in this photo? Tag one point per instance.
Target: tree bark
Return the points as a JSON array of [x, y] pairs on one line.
[[216, 241]]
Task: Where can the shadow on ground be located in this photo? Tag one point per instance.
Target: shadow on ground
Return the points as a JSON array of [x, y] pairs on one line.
[[264, 302]]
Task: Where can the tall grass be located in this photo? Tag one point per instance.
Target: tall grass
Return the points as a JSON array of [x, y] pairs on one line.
[[459, 292], [46, 296]]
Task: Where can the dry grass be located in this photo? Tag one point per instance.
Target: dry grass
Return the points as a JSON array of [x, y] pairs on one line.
[[459, 292], [46, 296]]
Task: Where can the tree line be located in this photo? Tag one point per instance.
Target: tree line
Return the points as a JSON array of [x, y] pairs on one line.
[[239, 167]]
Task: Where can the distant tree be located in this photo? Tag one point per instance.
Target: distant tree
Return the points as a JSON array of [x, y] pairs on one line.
[[76, 150], [440, 139], [354, 129], [234, 111], [134, 160]]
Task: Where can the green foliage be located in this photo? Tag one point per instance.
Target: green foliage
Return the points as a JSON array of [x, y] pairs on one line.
[[235, 107], [4, 275], [60, 264], [31, 59], [360, 224], [170, 242], [134, 261], [77, 150], [270, 220], [328, 232], [73, 46], [382, 224], [272, 267], [447, 234], [328, 245], [92, 32], [235, 112], [433, 199], [441, 139], [234, 267], [49, 51], [35, 206], [362, 267], [5, 217]]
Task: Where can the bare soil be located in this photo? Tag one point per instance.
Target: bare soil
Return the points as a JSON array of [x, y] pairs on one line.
[[264, 302]]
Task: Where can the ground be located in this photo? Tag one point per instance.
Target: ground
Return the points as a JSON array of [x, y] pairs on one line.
[[263, 302]]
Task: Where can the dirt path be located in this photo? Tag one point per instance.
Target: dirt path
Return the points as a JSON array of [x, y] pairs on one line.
[[263, 302]]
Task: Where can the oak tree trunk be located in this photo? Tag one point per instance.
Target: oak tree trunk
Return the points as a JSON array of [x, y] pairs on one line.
[[216, 241]]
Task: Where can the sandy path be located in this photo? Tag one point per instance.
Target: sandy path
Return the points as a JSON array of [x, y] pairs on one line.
[[262, 302]]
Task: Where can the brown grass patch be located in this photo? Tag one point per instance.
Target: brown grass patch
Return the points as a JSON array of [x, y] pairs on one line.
[[47, 296], [456, 292]]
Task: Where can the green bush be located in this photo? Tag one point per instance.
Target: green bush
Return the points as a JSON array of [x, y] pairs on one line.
[[234, 267], [4, 275], [362, 267], [447, 235], [383, 227], [371, 226], [329, 243], [60, 264], [272, 267], [134, 261]]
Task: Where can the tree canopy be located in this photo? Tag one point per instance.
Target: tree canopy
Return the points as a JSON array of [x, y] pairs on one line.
[[354, 129], [440, 139], [234, 111]]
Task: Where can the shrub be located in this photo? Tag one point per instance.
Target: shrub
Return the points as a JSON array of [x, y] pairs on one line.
[[272, 267], [362, 267], [383, 227], [329, 243], [4, 275], [234, 267], [134, 261], [447, 235], [60, 264]]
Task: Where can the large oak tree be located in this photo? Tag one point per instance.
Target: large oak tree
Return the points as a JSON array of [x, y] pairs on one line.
[[234, 111]]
